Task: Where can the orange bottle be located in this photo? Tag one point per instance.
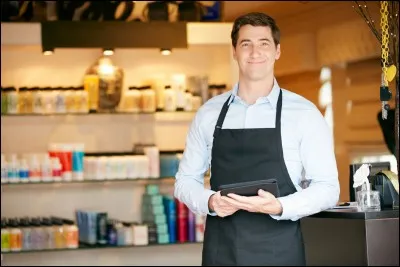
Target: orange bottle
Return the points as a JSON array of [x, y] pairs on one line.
[[71, 235], [15, 236]]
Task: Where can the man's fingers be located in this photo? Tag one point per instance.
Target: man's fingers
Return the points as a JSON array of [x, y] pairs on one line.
[[238, 198], [236, 203]]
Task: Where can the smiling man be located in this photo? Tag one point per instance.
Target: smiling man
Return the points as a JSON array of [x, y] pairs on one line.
[[254, 132]]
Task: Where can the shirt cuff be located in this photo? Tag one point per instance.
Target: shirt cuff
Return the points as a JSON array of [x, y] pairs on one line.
[[288, 210], [206, 196]]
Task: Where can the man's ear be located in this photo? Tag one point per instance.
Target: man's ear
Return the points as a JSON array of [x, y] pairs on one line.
[[234, 53], [278, 52]]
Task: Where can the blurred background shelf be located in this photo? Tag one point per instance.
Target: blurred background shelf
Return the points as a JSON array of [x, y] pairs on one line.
[[100, 113], [139, 181], [136, 180], [83, 246]]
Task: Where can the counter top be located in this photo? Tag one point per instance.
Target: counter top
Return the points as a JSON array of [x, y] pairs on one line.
[[352, 213]]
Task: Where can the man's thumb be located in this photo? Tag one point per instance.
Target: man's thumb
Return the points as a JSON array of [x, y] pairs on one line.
[[262, 193]]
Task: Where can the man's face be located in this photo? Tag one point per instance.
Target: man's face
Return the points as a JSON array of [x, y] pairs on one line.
[[256, 52]]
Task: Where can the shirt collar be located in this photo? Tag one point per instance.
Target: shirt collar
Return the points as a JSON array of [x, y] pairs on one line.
[[272, 98]]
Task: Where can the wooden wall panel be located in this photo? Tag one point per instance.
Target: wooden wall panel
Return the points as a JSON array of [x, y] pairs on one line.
[[356, 105], [346, 42], [364, 79], [291, 60], [339, 106], [364, 116], [306, 84]]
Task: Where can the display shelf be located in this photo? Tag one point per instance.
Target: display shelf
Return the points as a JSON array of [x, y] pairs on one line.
[[94, 247], [108, 181], [162, 116], [165, 180], [97, 113]]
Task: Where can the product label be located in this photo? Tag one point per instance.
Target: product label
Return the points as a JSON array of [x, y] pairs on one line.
[[77, 161], [24, 174], [34, 173], [13, 172], [57, 173]]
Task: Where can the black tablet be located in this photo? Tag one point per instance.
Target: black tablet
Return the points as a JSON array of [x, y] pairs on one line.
[[251, 188]]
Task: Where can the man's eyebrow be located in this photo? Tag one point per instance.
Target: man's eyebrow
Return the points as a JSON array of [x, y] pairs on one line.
[[262, 39], [245, 40]]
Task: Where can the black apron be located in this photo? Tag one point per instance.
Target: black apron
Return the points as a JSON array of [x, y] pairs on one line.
[[246, 238]]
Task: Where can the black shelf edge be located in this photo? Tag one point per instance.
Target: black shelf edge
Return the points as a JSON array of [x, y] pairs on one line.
[[95, 247], [113, 34], [147, 180]]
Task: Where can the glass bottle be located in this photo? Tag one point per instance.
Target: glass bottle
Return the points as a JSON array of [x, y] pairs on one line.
[[110, 83]]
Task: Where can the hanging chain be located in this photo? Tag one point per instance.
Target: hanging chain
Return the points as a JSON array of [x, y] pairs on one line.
[[385, 40], [385, 94]]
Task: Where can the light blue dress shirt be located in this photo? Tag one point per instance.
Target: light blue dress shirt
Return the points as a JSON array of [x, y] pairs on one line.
[[307, 142]]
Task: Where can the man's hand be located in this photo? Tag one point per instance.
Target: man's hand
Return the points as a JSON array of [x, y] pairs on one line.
[[265, 202], [220, 206]]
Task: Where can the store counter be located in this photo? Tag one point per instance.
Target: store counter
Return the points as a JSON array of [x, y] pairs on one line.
[[347, 237]]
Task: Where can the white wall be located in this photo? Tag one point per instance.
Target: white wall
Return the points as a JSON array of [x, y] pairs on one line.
[[28, 67]]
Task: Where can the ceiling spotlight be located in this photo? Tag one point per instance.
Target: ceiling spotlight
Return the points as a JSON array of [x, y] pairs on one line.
[[165, 51], [108, 51], [48, 51]]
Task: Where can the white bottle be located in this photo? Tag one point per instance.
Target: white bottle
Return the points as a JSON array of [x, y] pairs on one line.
[[34, 169], [144, 167], [4, 169], [180, 99], [24, 171], [178, 82], [78, 161], [47, 170], [153, 155], [108, 163], [131, 167], [188, 101], [169, 99], [148, 99], [13, 169], [56, 169], [196, 102], [66, 161]]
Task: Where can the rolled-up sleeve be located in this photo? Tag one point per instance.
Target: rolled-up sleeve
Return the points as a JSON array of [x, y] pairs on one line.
[[189, 183], [318, 159]]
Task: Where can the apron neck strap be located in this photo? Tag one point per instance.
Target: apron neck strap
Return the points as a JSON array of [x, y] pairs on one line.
[[225, 108]]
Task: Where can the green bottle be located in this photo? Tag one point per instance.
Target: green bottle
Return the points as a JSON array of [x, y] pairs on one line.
[[4, 100], [5, 237]]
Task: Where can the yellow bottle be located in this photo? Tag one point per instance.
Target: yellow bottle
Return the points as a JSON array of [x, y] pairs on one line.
[[91, 86]]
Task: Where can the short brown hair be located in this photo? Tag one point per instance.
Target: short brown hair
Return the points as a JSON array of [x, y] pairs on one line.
[[255, 19]]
